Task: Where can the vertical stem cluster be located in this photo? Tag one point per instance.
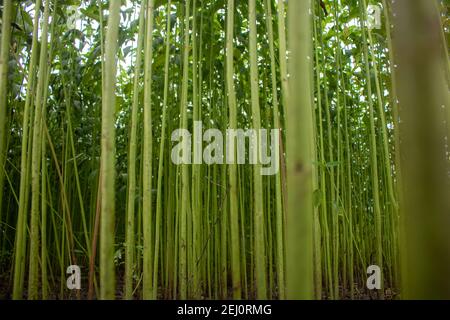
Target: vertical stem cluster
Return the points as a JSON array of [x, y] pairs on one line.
[[91, 161], [260, 255], [20, 243], [36, 162]]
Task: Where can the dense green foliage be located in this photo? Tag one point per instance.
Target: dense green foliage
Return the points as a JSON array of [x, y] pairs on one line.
[[91, 91]]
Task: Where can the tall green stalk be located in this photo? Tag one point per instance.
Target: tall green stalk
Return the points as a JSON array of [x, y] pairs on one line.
[[147, 220], [282, 54], [184, 206], [234, 204], [300, 151], [107, 268], [131, 199], [280, 265], [4, 64], [423, 98], [159, 206], [196, 167]]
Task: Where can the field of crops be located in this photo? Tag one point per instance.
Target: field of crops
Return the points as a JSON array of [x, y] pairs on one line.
[[224, 149]]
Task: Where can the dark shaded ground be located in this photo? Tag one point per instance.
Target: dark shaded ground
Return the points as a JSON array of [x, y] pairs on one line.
[[6, 292], [364, 294]]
